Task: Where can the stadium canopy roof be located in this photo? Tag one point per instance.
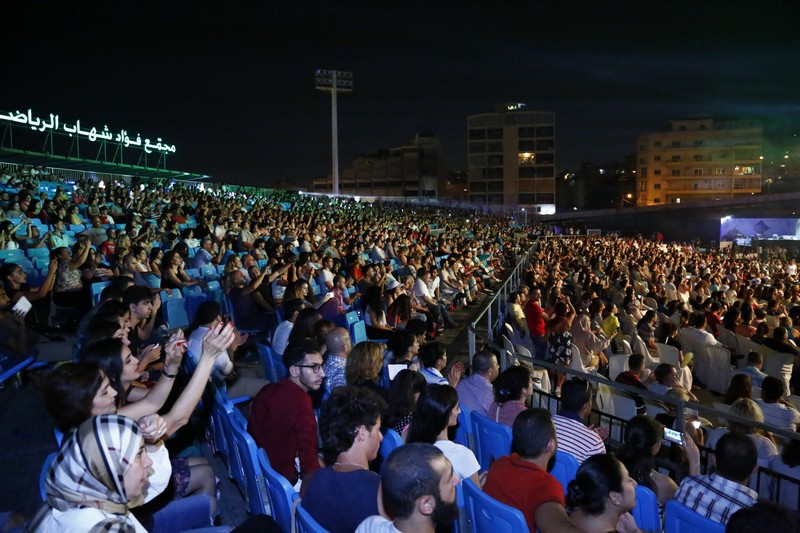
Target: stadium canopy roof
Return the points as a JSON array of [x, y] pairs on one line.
[[26, 157]]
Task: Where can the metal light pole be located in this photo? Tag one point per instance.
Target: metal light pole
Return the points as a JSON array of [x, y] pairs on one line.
[[334, 81]]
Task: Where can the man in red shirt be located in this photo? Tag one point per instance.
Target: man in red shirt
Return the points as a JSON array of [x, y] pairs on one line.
[[282, 417], [713, 319], [521, 479], [536, 318]]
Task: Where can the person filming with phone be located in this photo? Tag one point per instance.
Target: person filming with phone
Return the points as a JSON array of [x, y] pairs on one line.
[[16, 340]]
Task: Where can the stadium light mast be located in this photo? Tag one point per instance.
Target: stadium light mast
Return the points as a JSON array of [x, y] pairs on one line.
[[334, 81]]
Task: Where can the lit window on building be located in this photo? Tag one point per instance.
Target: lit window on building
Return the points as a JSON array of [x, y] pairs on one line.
[[526, 159]]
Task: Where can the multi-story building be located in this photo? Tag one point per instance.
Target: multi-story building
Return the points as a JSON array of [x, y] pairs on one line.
[[699, 159], [412, 171], [511, 159]]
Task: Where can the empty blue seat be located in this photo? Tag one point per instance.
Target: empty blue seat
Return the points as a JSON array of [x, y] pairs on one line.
[[492, 440], [351, 318], [484, 513], [681, 519], [281, 494], [271, 364], [565, 468], [209, 273], [151, 281], [33, 253], [213, 286], [250, 478], [12, 255], [97, 289], [175, 313], [193, 273], [165, 296], [192, 290], [359, 332]]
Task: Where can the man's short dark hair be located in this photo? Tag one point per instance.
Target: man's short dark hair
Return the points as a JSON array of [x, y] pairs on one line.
[[346, 410], [421, 272], [430, 353], [532, 430], [296, 352], [574, 394], [772, 389], [136, 294], [736, 456], [482, 361], [636, 361], [408, 475], [754, 358]]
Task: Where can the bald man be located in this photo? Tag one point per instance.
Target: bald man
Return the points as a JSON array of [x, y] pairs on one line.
[[339, 345]]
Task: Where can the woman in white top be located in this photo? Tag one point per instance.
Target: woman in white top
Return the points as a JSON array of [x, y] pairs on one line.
[[99, 474], [437, 410]]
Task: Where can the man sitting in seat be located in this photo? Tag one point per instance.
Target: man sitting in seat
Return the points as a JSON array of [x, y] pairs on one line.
[[777, 411], [573, 435], [475, 391], [521, 479], [753, 369], [418, 487], [633, 378], [282, 417], [717, 496]]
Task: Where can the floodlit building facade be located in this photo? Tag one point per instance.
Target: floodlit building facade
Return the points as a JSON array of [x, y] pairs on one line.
[[699, 159], [511, 159]]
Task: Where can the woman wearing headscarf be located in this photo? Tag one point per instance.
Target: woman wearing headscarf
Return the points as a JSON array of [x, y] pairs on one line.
[[589, 345], [99, 474]]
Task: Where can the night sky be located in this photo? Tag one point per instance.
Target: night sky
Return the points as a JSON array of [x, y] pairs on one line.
[[232, 86]]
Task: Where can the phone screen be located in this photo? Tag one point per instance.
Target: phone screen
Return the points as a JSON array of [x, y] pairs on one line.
[[673, 435], [23, 305]]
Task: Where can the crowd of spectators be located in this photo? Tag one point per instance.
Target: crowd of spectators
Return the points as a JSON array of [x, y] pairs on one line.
[[311, 260]]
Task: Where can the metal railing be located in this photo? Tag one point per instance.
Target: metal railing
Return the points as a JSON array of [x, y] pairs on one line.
[[494, 309]]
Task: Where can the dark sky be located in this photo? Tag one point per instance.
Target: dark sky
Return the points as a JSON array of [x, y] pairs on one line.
[[232, 84]]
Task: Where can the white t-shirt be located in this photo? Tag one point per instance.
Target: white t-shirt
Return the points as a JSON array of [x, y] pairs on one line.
[[324, 277], [281, 337], [376, 524], [464, 462]]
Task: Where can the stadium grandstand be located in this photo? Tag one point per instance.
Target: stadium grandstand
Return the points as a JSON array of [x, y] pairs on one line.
[[244, 329]]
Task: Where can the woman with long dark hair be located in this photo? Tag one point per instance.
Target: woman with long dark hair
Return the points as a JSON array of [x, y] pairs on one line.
[[437, 410]]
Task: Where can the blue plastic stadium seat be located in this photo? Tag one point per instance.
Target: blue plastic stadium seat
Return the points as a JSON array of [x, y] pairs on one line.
[[193, 273], [175, 313], [97, 289], [281, 494], [646, 511], [492, 440], [391, 440], [305, 522], [209, 273], [192, 290], [681, 519], [151, 281], [464, 434], [359, 332], [565, 468], [484, 513]]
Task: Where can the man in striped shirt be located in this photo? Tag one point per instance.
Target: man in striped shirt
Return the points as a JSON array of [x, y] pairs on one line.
[[717, 496], [574, 436]]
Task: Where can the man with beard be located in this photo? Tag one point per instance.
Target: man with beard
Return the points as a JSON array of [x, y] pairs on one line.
[[282, 416], [418, 486], [521, 479]]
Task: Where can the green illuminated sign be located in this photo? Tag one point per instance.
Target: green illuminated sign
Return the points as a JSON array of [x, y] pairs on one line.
[[92, 134]]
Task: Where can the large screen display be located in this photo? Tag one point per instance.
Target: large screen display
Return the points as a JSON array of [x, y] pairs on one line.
[[744, 230]]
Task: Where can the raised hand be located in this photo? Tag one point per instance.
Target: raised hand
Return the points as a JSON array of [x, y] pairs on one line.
[[152, 427], [218, 339]]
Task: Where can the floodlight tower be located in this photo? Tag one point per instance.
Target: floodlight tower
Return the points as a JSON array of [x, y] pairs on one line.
[[334, 81]]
